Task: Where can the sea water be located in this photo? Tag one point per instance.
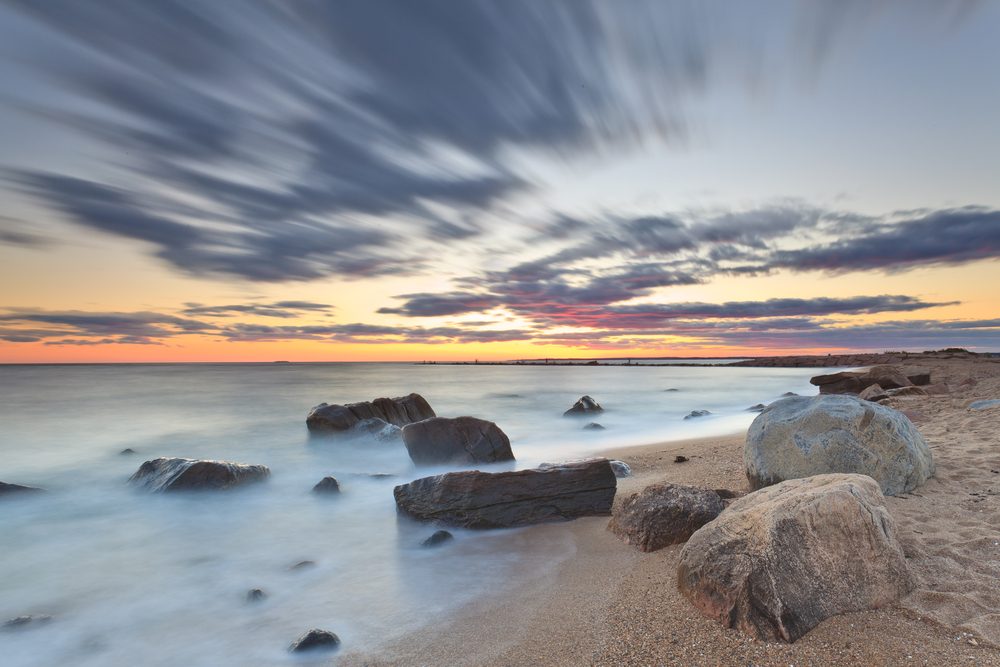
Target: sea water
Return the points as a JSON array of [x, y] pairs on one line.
[[133, 578]]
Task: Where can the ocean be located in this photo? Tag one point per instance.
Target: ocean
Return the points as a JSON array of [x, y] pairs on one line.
[[134, 578]]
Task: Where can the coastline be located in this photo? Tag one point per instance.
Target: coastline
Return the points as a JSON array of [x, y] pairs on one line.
[[610, 604]]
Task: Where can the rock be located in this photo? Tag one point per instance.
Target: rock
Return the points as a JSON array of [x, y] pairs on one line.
[[664, 514], [584, 406], [918, 376], [937, 389], [779, 561], [6, 489], [756, 408], [788, 393], [398, 411], [804, 436], [907, 391], [889, 377], [844, 382], [376, 428], [437, 539], [315, 640], [255, 595], [694, 414], [593, 426], [127, 451], [19, 622], [874, 393], [459, 440], [327, 486], [474, 499], [680, 458], [727, 494], [302, 565], [985, 404], [620, 468], [671, 389], [166, 474], [915, 416]]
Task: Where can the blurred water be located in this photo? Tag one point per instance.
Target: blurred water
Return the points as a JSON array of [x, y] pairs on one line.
[[133, 578]]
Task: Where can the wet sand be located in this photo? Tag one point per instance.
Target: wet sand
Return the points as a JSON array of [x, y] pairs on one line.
[[612, 605]]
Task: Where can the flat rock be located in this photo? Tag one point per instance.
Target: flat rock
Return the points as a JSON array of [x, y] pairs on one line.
[[844, 382], [315, 640], [907, 391], [456, 440], [584, 406], [779, 561], [398, 411], [474, 499], [664, 514], [805, 436], [11, 489], [173, 474]]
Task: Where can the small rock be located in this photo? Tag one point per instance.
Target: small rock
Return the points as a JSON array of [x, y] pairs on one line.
[[6, 488], [671, 389], [303, 565], [788, 393], [694, 414], [315, 640], [327, 486], [973, 642], [24, 621], [127, 451], [593, 426], [255, 595], [756, 408], [620, 468], [874, 393], [680, 458], [584, 406], [437, 539]]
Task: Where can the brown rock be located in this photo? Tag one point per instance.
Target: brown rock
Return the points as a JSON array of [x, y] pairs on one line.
[[474, 499], [397, 411], [873, 392], [779, 561], [918, 376], [844, 382], [907, 391], [664, 514], [938, 388], [889, 377], [458, 440], [166, 474]]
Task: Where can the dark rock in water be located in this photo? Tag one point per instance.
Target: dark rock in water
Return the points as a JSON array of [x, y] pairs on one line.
[[437, 539], [593, 426], [398, 411], [165, 474], [302, 565], [680, 458], [6, 488], [474, 499], [377, 428], [24, 621], [458, 440], [694, 414], [255, 595], [127, 451], [328, 486], [671, 389], [664, 514], [621, 468], [584, 406], [315, 640], [788, 393], [756, 408]]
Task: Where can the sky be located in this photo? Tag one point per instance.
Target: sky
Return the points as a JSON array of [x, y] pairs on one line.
[[437, 180]]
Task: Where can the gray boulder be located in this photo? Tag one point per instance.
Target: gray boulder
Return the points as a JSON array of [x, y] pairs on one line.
[[166, 474], [456, 440], [803, 436], [474, 499], [397, 411], [584, 406], [779, 561], [664, 514]]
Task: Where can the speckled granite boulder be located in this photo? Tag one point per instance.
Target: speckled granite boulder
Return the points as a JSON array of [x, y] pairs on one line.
[[664, 514], [834, 433]]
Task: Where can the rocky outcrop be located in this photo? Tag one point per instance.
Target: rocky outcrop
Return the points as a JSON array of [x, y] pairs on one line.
[[456, 440], [474, 499], [854, 382], [779, 561], [165, 474], [11, 489], [804, 436], [664, 514], [315, 640], [584, 406], [398, 411]]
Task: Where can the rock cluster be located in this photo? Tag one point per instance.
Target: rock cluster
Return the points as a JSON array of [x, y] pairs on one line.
[[398, 411], [855, 382]]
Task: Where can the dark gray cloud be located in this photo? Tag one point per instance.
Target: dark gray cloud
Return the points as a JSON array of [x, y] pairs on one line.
[[140, 327], [280, 309]]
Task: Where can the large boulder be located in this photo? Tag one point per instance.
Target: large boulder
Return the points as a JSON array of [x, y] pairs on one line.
[[664, 514], [11, 489], [474, 499], [398, 411], [165, 474], [585, 405], [778, 561], [456, 440], [803, 436]]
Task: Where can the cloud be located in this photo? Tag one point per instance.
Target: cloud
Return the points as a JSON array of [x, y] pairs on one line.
[[280, 309], [142, 327]]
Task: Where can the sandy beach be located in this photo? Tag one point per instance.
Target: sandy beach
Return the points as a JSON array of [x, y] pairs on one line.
[[613, 605]]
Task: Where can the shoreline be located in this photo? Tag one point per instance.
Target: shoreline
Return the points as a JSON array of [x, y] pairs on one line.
[[610, 604]]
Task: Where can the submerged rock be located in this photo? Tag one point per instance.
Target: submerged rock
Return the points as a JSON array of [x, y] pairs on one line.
[[800, 437], [6, 488], [173, 474], [474, 499], [128, 451], [593, 426], [327, 486], [377, 428], [302, 565], [664, 514], [437, 539], [779, 561], [398, 411], [620, 468], [255, 595], [584, 406], [315, 640], [694, 414], [20, 622], [756, 408], [458, 440]]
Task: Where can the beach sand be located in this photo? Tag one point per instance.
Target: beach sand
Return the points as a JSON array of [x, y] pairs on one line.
[[612, 605]]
